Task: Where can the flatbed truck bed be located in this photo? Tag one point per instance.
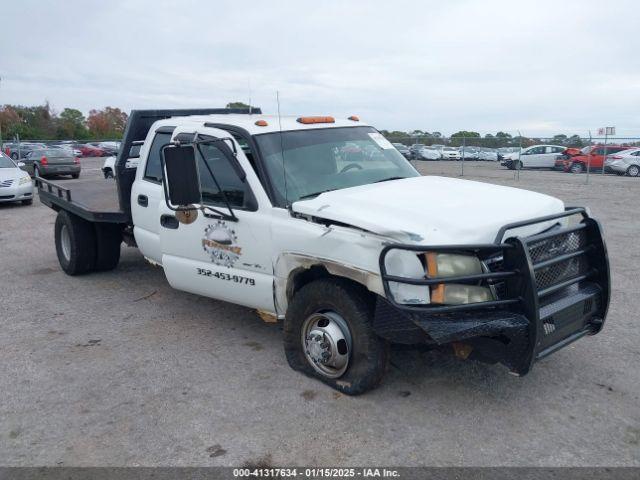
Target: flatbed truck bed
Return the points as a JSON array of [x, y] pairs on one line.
[[93, 199]]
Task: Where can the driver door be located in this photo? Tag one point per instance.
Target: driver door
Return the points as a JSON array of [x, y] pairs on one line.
[[218, 257]]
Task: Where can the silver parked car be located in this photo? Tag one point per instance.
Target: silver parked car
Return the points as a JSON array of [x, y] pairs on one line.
[[625, 162], [15, 184], [52, 161]]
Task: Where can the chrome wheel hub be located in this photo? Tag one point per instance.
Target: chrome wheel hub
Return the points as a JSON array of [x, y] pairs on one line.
[[326, 341]]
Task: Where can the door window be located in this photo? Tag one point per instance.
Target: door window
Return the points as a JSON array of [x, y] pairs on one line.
[[226, 184]]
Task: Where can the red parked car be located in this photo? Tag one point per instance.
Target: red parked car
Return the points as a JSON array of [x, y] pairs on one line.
[[89, 150], [577, 161]]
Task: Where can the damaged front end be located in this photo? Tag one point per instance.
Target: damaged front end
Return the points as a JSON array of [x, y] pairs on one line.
[[546, 291]]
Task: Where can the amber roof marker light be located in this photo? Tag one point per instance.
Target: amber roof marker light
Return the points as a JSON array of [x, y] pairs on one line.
[[310, 120], [354, 118]]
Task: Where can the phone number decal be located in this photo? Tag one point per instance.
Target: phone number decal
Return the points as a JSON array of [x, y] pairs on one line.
[[226, 276]]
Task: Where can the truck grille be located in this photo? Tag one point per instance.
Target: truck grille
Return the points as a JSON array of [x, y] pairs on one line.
[[558, 258]]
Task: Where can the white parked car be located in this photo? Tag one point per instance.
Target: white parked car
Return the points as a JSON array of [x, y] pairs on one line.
[[487, 154], [450, 153], [428, 153], [15, 183], [108, 168], [625, 162], [536, 156]]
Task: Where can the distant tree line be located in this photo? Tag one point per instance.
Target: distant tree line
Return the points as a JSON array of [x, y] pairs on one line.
[[43, 123]]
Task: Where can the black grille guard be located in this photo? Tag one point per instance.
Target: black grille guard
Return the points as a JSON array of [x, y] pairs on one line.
[[522, 293]]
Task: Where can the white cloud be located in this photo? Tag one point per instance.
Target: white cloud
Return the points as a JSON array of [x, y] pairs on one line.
[[541, 67]]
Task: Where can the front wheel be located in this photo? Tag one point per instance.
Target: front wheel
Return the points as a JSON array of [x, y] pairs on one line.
[[328, 335], [576, 167], [633, 171], [75, 175]]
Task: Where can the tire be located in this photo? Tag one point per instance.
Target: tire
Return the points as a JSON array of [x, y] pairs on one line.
[[368, 355], [108, 240], [107, 172], [633, 171], [75, 175], [517, 165], [75, 244], [576, 167], [27, 202]]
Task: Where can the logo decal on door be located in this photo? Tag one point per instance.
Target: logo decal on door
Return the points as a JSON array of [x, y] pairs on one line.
[[219, 242]]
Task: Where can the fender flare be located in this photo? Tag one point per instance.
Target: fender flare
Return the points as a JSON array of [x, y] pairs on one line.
[[289, 265]]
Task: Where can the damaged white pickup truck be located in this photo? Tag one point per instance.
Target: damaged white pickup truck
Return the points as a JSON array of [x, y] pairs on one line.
[[323, 224]]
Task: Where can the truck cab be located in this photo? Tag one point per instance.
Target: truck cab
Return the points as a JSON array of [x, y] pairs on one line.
[[321, 224]]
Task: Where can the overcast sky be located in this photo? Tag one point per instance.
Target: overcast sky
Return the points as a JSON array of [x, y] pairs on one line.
[[541, 67]]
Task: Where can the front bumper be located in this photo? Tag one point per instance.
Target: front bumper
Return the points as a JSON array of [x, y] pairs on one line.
[[16, 193], [552, 289]]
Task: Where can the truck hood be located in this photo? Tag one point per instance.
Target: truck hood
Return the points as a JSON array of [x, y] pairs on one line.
[[433, 210]]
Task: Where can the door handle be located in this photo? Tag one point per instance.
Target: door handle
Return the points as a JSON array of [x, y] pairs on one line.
[[169, 221], [143, 201]]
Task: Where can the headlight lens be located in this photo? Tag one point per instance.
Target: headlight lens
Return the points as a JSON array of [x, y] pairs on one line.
[[24, 180], [403, 263], [447, 265]]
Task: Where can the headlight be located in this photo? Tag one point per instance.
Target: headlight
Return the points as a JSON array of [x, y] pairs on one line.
[[24, 180], [403, 263], [447, 265]]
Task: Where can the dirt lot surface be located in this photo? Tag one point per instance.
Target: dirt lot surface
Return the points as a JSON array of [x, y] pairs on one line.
[[117, 368]]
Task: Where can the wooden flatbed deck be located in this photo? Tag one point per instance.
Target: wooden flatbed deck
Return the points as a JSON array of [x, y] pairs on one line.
[[94, 199]]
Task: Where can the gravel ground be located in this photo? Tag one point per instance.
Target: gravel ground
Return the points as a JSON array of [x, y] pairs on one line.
[[117, 368]]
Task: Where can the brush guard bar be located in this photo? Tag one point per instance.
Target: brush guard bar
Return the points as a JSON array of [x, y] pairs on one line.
[[553, 286]]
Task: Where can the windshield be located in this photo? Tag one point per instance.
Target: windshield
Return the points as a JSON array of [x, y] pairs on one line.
[[326, 159], [6, 162]]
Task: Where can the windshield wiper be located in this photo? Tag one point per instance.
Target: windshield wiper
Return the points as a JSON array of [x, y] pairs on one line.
[[389, 179], [309, 195]]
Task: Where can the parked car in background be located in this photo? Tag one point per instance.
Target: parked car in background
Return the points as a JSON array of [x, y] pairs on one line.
[[536, 156], [428, 153], [487, 154], [403, 149], [591, 157], [15, 183], [108, 168], [20, 150], [44, 162], [624, 162], [415, 149], [89, 150], [110, 148], [450, 153], [469, 153]]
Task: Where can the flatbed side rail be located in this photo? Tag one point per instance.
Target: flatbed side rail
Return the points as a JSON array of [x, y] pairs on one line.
[[53, 188]]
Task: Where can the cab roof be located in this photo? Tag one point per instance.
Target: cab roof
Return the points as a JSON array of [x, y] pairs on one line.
[[248, 122]]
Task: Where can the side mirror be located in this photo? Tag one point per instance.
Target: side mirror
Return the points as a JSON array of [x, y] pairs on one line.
[[181, 179], [21, 164]]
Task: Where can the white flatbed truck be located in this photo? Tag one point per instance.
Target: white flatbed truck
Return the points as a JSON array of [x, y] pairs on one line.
[[322, 224]]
